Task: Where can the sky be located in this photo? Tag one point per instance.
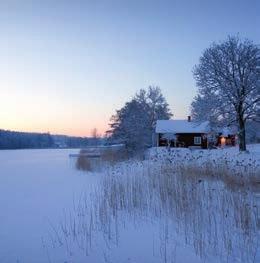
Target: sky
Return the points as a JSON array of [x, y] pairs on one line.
[[66, 66]]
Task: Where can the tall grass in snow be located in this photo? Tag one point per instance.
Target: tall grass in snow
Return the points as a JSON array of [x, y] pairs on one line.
[[95, 158], [205, 214]]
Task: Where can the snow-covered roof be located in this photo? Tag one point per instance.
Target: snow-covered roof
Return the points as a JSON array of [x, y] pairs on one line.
[[226, 131], [181, 126]]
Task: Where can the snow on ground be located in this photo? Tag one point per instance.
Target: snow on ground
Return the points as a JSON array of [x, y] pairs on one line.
[[38, 189], [35, 185], [230, 156]]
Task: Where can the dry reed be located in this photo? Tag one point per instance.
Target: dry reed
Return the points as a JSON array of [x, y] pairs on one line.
[[83, 162], [189, 200]]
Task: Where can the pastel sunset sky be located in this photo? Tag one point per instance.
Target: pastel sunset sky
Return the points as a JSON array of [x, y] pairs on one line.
[[66, 66]]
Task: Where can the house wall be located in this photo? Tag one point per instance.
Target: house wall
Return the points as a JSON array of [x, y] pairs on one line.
[[185, 140], [188, 139]]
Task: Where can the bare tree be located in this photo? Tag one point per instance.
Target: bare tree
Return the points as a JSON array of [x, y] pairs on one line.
[[95, 137], [230, 72]]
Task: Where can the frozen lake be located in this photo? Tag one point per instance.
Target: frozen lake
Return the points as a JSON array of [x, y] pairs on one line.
[[39, 189], [35, 185]]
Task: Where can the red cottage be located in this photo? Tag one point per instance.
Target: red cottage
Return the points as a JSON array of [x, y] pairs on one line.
[[182, 133]]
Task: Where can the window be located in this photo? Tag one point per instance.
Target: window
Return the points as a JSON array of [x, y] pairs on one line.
[[197, 140]]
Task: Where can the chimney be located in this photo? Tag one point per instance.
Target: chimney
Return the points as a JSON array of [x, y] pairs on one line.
[[189, 118]]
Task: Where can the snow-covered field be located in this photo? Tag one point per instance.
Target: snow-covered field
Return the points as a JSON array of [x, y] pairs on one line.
[[229, 156], [51, 212]]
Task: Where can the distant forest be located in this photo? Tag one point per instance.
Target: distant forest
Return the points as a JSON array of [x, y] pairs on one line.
[[28, 140]]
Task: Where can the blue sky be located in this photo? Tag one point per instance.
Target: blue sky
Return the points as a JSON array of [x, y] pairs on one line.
[[67, 65]]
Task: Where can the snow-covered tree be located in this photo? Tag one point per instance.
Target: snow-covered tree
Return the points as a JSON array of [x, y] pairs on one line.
[[206, 107], [211, 108], [228, 78], [130, 126], [156, 108], [134, 124]]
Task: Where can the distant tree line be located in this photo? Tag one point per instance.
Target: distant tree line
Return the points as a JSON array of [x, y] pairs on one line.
[[64, 141], [29, 140], [21, 140]]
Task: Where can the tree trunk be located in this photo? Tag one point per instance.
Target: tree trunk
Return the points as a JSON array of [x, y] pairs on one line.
[[242, 135]]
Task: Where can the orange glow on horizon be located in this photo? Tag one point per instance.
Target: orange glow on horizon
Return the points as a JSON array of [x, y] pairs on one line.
[[69, 131]]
